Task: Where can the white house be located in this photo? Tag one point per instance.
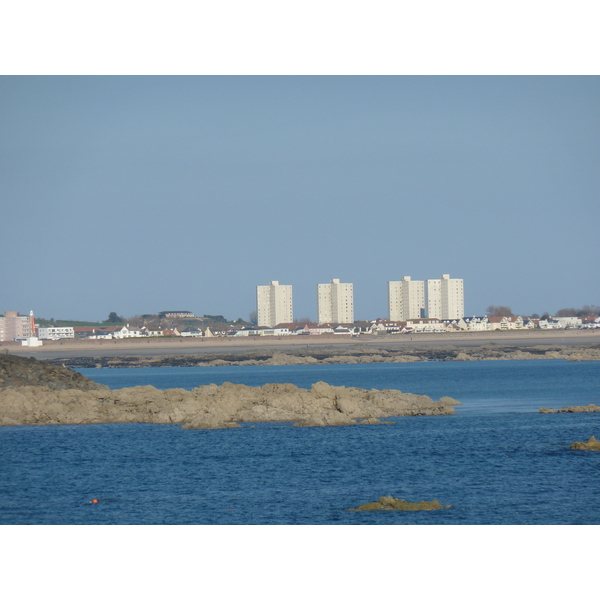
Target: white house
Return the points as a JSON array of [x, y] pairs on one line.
[[425, 326], [474, 323], [568, 321], [127, 332], [505, 323], [272, 331], [191, 332], [550, 324], [152, 331]]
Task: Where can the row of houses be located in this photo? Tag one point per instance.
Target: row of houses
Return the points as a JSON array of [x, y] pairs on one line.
[[383, 326], [489, 323], [376, 327], [120, 332]]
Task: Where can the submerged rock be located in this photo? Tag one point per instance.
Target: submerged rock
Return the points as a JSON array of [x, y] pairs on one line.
[[375, 421], [572, 409], [389, 503], [591, 444]]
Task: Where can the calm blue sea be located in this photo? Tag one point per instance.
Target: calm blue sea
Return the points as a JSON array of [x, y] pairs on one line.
[[497, 461]]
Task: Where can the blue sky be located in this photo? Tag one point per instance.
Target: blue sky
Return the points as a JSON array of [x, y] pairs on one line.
[[142, 194]]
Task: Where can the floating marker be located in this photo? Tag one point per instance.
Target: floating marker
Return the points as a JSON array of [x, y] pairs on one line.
[[94, 501]]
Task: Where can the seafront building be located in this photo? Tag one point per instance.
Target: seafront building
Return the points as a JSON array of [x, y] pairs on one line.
[[434, 299], [453, 298], [335, 302], [56, 333], [406, 299], [15, 326], [274, 304], [445, 298]]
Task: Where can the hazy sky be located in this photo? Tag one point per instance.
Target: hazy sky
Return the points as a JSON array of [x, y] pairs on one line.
[[143, 194]]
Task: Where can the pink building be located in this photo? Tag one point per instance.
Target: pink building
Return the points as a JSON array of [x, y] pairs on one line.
[[14, 326]]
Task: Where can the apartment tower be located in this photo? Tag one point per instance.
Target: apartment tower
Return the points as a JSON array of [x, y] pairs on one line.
[[445, 298], [433, 298], [335, 302], [406, 299], [453, 298], [274, 304]]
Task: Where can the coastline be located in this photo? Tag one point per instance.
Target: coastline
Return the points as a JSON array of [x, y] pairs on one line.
[[37, 393], [391, 342]]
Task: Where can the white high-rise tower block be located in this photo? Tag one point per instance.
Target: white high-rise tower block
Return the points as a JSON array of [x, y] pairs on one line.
[[335, 302], [274, 304], [453, 298], [433, 298], [406, 299], [445, 298]]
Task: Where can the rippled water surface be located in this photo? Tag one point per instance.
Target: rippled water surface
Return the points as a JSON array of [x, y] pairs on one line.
[[497, 461]]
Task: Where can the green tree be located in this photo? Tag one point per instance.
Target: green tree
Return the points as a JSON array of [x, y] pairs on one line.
[[114, 318]]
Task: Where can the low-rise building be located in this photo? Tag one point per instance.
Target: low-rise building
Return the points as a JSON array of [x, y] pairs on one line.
[[505, 323], [474, 323], [311, 329], [569, 321], [191, 332], [176, 314], [425, 326], [152, 331], [380, 326], [56, 333]]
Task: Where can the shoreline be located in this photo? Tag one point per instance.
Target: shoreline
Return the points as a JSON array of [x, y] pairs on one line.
[[173, 346]]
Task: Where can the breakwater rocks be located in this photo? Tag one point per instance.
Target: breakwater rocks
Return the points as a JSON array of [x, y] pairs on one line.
[[591, 444], [572, 409], [213, 406], [16, 371], [389, 503], [334, 354]]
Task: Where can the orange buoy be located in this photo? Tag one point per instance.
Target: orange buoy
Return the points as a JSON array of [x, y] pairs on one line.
[[94, 501]]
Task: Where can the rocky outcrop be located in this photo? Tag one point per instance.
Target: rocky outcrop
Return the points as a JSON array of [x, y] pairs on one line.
[[389, 503], [213, 406], [334, 354], [16, 371], [572, 409], [591, 444]]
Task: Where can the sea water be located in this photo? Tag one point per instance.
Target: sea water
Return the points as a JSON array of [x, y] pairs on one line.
[[497, 461]]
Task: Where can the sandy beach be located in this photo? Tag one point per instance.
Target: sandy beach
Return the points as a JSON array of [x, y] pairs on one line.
[[181, 346]]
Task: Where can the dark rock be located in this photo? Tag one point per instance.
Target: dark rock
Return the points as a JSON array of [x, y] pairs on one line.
[[17, 371], [573, 409]]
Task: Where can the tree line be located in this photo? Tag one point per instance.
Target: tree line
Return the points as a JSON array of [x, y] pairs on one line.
[[583, 312]]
